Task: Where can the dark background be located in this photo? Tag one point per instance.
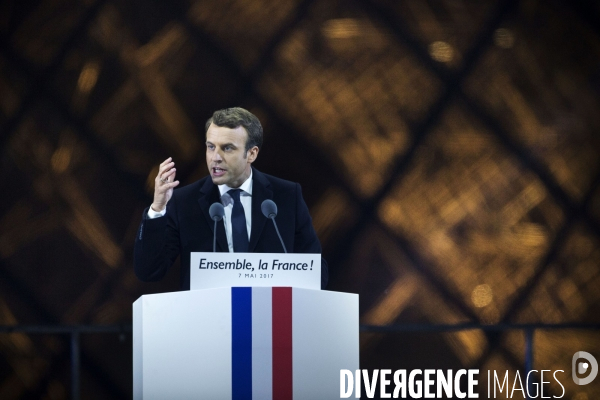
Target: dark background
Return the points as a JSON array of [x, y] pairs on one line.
[[448, 151]]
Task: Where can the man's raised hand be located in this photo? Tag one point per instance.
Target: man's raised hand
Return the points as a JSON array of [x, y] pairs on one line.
[[164, 184]]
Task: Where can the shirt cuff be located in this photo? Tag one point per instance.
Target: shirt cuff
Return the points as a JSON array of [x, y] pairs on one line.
[[156, 214]]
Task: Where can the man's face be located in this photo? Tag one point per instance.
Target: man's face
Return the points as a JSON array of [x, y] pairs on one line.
[[226, 157]]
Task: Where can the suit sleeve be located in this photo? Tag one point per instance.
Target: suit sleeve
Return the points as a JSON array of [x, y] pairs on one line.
[[305, 237], [156, 245]]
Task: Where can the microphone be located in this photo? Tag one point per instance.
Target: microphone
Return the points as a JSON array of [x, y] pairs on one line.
[[269, 210], [216, 212]]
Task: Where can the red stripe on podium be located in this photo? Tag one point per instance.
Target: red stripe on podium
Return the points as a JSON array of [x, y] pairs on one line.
[[282, 343]]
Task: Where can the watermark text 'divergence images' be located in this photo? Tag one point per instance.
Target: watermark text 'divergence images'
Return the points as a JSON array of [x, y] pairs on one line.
[[463, 383]]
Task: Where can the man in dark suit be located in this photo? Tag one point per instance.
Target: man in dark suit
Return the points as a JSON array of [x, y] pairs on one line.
[[178, 222]]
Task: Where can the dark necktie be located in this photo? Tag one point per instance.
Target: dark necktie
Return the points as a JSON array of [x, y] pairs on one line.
[[238, 223]]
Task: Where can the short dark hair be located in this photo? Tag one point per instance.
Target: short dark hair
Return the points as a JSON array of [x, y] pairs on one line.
[[235, 117]]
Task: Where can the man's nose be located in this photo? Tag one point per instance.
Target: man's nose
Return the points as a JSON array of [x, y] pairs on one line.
[[216, 156]]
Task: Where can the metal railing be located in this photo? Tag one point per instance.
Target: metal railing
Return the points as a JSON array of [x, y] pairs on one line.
[[75, 332], [527, 329]]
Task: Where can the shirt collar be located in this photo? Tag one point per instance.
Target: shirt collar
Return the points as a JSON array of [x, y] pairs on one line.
[[246, 186]]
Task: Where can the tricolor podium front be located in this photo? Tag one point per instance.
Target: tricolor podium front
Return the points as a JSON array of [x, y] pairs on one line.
[[244, 343]]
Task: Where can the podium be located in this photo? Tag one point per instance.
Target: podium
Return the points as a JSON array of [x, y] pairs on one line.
[[244, 343]]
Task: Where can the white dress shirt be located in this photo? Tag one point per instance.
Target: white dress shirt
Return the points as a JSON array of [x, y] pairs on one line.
[[227, 201]]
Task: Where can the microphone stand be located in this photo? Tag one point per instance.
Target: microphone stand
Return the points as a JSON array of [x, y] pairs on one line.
[[272, 218], [215, 237]]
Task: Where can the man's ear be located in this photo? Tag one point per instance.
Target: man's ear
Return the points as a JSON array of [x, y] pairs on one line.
[[252, 154]]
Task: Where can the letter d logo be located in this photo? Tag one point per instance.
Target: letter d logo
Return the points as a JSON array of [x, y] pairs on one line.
[[583, 367]]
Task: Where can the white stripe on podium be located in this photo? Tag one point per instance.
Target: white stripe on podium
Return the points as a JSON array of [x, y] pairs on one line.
[[262, 343]]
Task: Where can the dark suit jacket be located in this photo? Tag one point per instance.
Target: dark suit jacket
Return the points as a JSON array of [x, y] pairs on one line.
[[187, 227]]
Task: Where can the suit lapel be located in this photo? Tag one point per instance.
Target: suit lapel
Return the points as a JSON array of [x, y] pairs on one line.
[[209, 194], [261, 190]]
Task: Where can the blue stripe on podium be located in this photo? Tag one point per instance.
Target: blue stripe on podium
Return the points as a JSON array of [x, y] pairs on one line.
[[241, 338]]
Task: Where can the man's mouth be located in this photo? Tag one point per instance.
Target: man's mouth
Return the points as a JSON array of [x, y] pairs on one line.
[[218, 171]]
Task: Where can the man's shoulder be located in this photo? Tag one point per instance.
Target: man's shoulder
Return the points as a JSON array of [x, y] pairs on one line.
[[192, 188], [277, 183], [204, 184]]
